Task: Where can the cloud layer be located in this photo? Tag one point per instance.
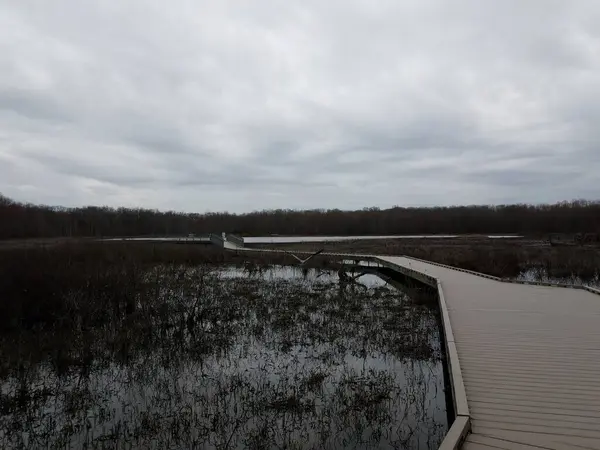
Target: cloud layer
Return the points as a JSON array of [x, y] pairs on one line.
[[244, 105]]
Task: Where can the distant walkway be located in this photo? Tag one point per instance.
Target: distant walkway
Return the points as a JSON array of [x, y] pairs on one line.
[[524, 359]]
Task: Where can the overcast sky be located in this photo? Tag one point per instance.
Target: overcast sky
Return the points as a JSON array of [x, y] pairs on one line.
[[200, 105]]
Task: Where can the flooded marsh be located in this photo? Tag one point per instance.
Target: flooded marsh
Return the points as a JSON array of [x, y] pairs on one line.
[[225, 357]]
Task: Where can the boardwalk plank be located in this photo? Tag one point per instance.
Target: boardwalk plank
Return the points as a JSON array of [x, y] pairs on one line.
[[529, 357]]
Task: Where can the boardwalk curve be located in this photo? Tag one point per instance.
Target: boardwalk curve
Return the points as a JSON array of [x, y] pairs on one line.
[[524, 358], [529, 359]]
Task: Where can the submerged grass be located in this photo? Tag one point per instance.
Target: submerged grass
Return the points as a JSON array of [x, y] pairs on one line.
[[154, 352]]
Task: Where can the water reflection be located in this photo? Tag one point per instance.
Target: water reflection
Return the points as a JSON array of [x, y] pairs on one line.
[[236, 358]]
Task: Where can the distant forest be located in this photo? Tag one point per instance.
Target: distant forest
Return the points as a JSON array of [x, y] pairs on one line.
[[19, 220]]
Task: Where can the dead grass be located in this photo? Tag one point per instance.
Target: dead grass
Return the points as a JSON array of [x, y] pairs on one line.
[[147, 347]]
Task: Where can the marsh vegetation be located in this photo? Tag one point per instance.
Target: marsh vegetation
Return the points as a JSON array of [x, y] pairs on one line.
[[522, 258], [101, 350]]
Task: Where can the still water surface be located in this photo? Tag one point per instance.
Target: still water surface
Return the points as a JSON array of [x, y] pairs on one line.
[[277, 358], [300, 239]]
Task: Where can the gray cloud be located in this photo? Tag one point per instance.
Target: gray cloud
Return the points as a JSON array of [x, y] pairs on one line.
[[31, 105], [235, 106]]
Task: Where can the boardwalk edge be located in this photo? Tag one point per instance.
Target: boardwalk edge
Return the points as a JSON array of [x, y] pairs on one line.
[[461, 426], [456, 434], [459, 396], [592, 290], [479, 274], [462, 422], [508, 280]]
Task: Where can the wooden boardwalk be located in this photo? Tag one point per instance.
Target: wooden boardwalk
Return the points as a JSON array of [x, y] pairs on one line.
[[529, 360], [524, 359]]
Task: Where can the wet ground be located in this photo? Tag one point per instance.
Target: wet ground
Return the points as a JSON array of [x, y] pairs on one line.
[[235, 358]]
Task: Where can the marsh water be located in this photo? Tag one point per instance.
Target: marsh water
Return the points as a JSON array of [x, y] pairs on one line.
[[234, 357], [306, 239], [300, 239]]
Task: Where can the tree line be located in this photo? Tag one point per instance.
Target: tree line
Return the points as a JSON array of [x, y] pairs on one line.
[[18, 220]]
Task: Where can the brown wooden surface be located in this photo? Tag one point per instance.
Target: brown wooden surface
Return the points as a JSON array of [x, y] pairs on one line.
[[530, 360]]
